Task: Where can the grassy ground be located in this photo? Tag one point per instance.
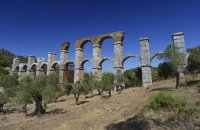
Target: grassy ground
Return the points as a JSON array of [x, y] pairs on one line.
[[122, 111]]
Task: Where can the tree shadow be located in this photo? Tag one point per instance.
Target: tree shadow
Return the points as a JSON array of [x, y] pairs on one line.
[[162, 89], [56, 111], [83, 102], [192, 83], [10, 110], [138, 122]]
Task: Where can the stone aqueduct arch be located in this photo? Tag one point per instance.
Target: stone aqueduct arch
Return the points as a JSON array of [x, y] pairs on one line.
[[42, 67]]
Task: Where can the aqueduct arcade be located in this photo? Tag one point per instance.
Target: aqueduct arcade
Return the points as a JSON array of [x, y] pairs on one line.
[[65, 68]]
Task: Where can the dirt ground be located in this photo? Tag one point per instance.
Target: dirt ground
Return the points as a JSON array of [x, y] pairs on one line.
[[94, 113]]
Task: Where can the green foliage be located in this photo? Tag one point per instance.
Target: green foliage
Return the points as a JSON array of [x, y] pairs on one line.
[[45, 86], [3, 100], [107, 81], [67, 88], [80, 88], [155, 76], [6, 58], [169, 101], [194, 59], [9, 84], [165, 70], [133, 77], [3, 72], [177, 61], [169, 50]]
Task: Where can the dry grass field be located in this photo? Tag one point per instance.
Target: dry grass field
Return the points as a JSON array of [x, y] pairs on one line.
[[121, 111]]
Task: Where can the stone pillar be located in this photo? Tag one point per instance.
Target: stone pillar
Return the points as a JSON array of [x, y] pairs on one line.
[[79, 56], [51, 59], [118, 57], [63, 61], [21, 72], [31, 60], [179, 46], [40, 60], [97, 56], [16, 63], [145, 62]]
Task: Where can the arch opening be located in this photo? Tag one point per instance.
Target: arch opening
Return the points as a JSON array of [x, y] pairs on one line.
[[55, 67], [132, 71], [44, 69], [68, 72], [161, 69], [107, 65], [107, 46], [32, 71]]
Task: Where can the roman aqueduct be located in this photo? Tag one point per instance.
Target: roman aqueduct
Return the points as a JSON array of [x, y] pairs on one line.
[[42, 67]]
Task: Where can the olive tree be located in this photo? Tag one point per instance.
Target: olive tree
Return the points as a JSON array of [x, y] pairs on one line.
[[176, 59], [107, 83], [9, 84], [42, 91], [78, 89]]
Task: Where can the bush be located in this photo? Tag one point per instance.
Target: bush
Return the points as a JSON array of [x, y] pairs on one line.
[[165, 70], [133, 77], [3, 72], [3, 100], [169, 101], [9, 84]]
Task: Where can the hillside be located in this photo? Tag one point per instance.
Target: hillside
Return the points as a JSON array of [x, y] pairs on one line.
[[119, 112], [6, 59]]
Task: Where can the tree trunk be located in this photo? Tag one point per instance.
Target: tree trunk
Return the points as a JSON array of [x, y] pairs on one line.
[[1, 107], [177, 80], [39, 110], [99, 92], [77, 99], [109, 92]]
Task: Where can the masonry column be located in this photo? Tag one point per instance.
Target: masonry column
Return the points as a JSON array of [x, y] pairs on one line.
[[179, 46], [31, 60], [78, 74], [16, 63], [40, 60], [63, 60], [51, 59], [118, 55], [97, 56], [145, 61], [20, 73]]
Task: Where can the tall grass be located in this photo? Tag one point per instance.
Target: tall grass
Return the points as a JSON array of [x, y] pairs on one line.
[[168, 101]]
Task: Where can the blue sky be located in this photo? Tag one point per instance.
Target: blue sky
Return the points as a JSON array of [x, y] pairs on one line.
[[35, 27]]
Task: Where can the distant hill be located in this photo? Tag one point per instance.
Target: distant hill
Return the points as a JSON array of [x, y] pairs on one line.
[[6, 59]]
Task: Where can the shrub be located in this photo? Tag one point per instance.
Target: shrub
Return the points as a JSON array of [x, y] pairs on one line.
[[3, 100], [9, 84], [169, 101], [133, 77], [44, 89], [3, 72]]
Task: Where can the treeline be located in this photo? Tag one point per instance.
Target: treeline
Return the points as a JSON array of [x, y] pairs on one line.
[[6, 59]]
